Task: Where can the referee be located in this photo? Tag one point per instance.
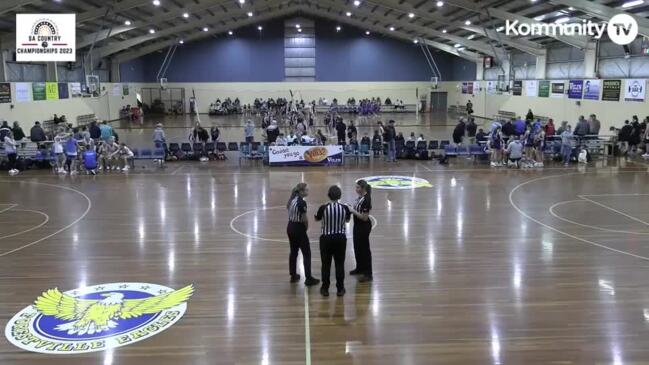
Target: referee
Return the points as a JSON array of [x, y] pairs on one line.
[[297, 236], [333, 241], [362, 228]]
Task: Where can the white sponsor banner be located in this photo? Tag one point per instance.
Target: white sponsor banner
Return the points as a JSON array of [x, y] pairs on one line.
[[45, 37], [531, 88], [476, 87], [635, 89], [23, 92], [117, 89], [491, 87], [75, 89], [305, 155]]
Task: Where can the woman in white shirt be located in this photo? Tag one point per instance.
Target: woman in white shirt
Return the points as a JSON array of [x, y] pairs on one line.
[[10, 150]]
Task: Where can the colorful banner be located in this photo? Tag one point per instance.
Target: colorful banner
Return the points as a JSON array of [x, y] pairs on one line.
[[517, 90], [125, 90], [5, 92], [305, 155], [46, 37], [75, 89], [611, 90], [52, 90], [591, 89], [38, 91], [531, 88], [63, 90], [22, 92], [465, 87], [575, 89], [469, 88], [476, 87], [544, 89], [635, 89], [558, 89]]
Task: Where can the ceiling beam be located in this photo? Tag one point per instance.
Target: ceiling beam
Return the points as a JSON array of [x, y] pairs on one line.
[[192, 9], [205, 21], [478, 46], [521, 44], [139, 52], [468, 55], [575, 41], [604, 12], [10, 5]]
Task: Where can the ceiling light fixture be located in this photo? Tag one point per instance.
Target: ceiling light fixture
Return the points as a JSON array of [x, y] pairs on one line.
[[349, 13], [260, 28], [411, 15], [338, 28], [127, 22], [357, 3], [185, 15], [457, 45], [391, 29], [230, 32], [156, 2], [151, 31], [415, 41], [205, 29], [468, 22], [629, 4], [250, 14], [181, 41], [299, 30], [565, 19], [440, 4], [367, 32], [444, 30]]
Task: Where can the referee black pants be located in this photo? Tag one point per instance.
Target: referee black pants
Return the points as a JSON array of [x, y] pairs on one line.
[[299, 241], [333, 246], [362, 247]]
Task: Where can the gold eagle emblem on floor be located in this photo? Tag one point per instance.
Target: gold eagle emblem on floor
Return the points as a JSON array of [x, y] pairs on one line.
[[89, 316]]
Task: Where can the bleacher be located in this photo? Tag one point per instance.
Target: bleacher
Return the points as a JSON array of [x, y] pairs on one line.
[[83, 120], [405, 108]]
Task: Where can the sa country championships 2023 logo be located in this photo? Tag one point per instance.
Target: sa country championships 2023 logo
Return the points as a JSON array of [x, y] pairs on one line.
[[96, 318], [45, 37], [397, 182]]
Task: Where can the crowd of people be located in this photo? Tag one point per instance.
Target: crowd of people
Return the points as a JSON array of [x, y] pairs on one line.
[[70, 150], [519, 142]]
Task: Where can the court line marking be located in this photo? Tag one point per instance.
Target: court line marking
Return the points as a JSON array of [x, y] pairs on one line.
[[551, 210], [175, 172], [426, 167], [11, 206], [615, 210], [632, 194], [521, 212], [254, 237], [219, 173], [44, 222], [307, 328], [83, 215]]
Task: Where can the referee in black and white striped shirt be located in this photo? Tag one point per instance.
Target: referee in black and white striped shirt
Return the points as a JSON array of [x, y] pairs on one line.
[[333, 240], [298, 238]]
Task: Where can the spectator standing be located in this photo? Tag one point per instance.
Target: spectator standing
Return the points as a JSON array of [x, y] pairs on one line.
[[471, 128], [390, 137], [340, 130], [95, 131], [459, 132], [249, 131], [549, 128], [582, 127], [19, 135], [593, 125], [106, 131], [10, 150], [37, 134]]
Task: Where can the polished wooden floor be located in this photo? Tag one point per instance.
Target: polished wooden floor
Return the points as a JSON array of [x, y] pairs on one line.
[[488, 266]]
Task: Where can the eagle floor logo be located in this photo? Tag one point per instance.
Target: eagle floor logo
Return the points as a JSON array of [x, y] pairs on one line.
[[96, 318], [45, 37], [397, 182]]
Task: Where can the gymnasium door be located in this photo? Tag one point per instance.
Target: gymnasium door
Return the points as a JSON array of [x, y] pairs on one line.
[[438, 102]]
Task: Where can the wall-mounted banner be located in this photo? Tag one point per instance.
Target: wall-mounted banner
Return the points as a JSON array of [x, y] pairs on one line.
[[45, 37], [22, 92], [52, 91], [305, 155], [96, 318], [38, 91], [469, 88], [591, 89], [517, 90], [5, 92], [635, 89], [558, 89], [117, 89], [531, 88], [465, 87], [75, 89], [611, 90], [575, 89], [63, 90], [491, 87], [544, 89], [125, 90]]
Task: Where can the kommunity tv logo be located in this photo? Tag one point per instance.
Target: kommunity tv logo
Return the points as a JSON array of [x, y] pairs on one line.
[[622, 29]]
